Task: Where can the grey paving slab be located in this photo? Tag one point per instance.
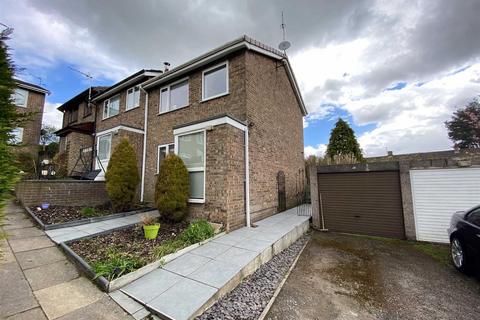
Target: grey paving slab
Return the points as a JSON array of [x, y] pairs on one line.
[[58, 232], [229, 239], [6, 254], [186, 264], [51, 274], [244, 232], [151, 285], [141, 314], [215, 273], [237, 256], [183, 299], [211, 249], [67, 297], [253, 245], [35, 258], [32, 314], [90, 229], [104, 309], [15, 293], [32, 243], [22, 223], [124, 301], [24, 233]]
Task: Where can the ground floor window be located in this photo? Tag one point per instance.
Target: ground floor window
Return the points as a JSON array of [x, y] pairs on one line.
[[17, 136], [191, 148], [104, 145], [162, 152]]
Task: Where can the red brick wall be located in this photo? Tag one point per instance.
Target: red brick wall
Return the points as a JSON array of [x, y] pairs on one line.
[[32, 128], [61, 192]]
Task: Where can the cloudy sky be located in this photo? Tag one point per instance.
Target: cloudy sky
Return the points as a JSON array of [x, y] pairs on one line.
[[395, 70]]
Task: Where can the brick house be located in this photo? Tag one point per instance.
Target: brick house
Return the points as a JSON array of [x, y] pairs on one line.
[[29, 98], [234, 115]]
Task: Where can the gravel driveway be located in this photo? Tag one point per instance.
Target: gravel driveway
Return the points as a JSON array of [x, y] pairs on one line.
[[353, 277]]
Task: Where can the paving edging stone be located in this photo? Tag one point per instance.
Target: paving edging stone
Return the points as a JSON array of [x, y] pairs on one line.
[[110, 286], [82, 221]]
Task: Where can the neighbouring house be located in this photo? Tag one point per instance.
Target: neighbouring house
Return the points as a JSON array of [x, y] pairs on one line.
[[29, 98], [77, 135], [235, 117]]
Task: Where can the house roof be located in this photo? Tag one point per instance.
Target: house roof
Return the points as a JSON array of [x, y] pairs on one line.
[[130, 80], [83, 127], [243, 42], [81, 97], [31, 86]]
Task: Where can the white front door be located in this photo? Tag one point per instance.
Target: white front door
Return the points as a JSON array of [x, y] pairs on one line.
[[104, 146]]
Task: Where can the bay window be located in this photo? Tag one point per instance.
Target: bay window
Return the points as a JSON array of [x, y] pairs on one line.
[[111, 107], [191, 149], [174, 96]]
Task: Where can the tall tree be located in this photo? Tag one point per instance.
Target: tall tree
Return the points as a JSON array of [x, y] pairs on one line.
[[464, 128], [9, 120], [343, 142]]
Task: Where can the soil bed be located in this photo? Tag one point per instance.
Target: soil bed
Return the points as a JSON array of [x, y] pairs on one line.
[[62, 214], [252, 295], [129, 241]]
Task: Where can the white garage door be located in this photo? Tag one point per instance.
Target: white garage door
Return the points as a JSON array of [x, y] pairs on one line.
[[437, 194]]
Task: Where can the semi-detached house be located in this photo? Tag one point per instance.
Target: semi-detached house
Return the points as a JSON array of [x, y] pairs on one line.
[[235, 117]]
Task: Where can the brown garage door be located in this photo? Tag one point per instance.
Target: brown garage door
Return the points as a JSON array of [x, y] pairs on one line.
[[362, 202]]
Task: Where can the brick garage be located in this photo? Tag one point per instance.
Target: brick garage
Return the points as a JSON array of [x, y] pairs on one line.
[[61, 192]]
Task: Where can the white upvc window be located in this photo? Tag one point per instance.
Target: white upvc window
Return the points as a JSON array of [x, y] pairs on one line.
[[174, 96], [191, 148], [162, 152], [20, 97], [17, 136], [104, 146], [215, 81], [133, 98], [111, 107]]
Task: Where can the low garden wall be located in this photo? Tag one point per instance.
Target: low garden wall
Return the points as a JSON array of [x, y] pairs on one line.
[[62, 192]]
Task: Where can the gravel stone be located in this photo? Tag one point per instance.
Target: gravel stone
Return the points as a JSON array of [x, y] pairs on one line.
[[252, 295]]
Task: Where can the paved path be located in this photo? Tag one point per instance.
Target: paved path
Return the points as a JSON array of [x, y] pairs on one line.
[[37, 282], [70, 233], [186, 284]]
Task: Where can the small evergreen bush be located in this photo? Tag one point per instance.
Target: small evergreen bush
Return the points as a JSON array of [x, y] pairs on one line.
[[122, 177], [197, 231], [171, 190], [88, 212]]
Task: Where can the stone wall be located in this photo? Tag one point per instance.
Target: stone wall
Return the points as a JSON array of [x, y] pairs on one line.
[[61, 192]]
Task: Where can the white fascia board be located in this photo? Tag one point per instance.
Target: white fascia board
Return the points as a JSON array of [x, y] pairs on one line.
[[119, 128], [210, 123], [125, 85], [27, 87]]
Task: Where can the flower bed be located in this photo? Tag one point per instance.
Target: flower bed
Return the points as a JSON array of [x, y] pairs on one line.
[[122, 251]]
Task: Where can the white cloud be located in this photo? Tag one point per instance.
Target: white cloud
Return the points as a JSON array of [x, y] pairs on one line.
[[51, 116], [318, 151]]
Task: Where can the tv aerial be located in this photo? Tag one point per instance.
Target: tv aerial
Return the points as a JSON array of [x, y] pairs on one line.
[[284, 45], [90, 79]]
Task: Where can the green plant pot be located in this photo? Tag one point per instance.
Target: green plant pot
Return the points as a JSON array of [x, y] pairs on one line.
[[151, 232]]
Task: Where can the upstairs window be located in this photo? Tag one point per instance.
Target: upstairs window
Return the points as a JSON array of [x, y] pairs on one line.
[[17, 136], [163, 151], [20, 97], [133, 98], [111, 107], [215, 82], [174, 96], [72, 116]]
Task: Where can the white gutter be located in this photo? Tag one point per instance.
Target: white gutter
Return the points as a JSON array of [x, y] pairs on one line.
[[144, 156]]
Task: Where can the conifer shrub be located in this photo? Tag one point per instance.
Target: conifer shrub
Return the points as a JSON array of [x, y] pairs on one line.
[[122, 177], [171, 189]]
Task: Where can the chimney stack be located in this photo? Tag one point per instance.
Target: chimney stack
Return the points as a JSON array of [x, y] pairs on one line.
[[390, 153], [166, 66]]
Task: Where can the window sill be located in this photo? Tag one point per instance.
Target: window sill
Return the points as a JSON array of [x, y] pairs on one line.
[[196, 200], [169, 111], [215, 97], [126, 110], [110, 117]]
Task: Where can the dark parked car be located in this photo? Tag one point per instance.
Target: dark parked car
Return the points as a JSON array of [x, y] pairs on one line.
[[464, 234]]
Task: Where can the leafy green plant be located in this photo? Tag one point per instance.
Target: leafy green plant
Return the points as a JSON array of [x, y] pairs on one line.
[[88, 212], [197, 231], [171, 189], [168, 246], [115, 265], [122, 177]]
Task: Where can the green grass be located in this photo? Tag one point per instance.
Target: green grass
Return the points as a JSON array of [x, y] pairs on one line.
[[439, 252], [169, 246], [116, 264], [197, 231], [88, 212]]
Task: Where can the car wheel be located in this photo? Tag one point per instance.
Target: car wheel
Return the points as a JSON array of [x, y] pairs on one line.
[[459, 255]]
